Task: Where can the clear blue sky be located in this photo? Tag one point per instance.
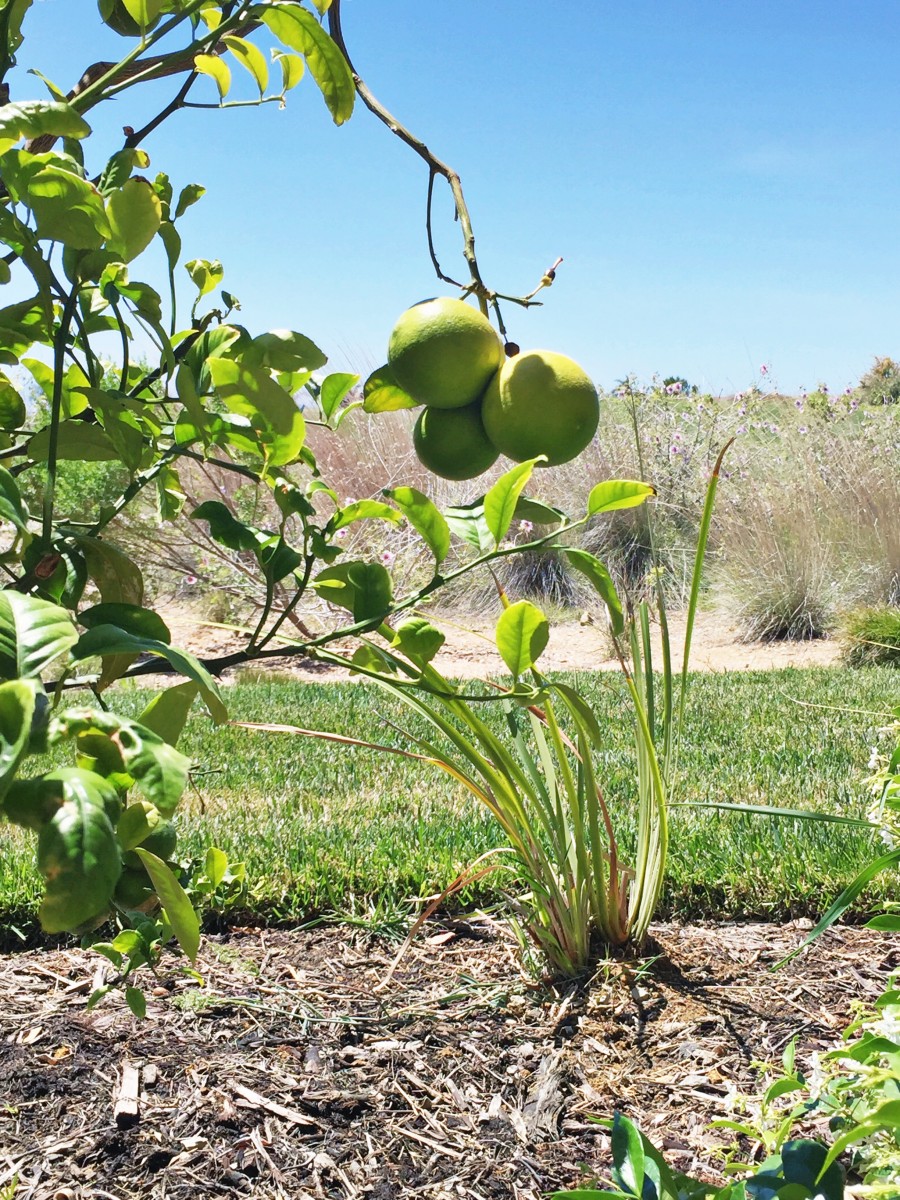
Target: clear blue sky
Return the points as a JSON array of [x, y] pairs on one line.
[[723, 180]]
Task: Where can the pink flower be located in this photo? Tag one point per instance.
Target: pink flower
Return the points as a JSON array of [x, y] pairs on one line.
[[341, 534], [764, 369], [526, 526], [191, 580], [387, 558]]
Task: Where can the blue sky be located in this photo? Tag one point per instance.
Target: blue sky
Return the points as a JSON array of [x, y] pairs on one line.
[[721, 179]]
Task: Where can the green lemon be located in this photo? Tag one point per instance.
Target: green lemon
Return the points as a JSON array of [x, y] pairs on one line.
[[161, 842], [452, 443], [134, 888], [540, 402], [443, 353]]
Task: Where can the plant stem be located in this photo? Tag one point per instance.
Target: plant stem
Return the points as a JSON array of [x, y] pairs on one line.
[[59, 354]]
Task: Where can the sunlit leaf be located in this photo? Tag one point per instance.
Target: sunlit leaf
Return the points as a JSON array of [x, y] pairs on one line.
[[500, 502], [425, 518], [301, 31], [35, 118], [78, 855], [251, 59], [614, 494], [135, 215], [382, 393], [33, 633], [591, 567], [212, 65], [172, 896], [522, 634]]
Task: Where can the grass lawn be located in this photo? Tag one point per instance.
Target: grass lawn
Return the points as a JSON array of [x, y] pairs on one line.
[[328, 829]]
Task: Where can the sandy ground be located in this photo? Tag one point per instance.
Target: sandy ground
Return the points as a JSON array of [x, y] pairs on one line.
[[470, 651]]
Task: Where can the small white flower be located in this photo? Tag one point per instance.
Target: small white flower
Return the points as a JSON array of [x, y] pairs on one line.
[[387, 558]]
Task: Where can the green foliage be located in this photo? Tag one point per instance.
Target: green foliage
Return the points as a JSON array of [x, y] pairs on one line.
[[800, 1170], [871, 637]]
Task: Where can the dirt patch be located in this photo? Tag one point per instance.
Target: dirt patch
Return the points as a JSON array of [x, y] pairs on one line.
[[470, 651], [289, 1074]]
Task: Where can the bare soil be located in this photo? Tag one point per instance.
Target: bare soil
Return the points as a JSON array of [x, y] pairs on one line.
[[295, 1071], [470, 651]]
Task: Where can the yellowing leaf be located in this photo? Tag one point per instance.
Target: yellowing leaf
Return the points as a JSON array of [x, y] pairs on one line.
[[212, 65], [134, 212], [251, 59]]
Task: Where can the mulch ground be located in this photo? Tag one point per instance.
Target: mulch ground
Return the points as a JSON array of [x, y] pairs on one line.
[[293, 1072]]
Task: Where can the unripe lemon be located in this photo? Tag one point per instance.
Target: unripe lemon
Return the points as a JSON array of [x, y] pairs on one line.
[[540, 402], [444, 352], [452, 443]]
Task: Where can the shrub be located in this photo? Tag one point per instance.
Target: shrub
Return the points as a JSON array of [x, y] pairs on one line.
[[881, 383], [871, 637]]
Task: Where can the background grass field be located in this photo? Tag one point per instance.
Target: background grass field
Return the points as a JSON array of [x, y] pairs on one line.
[[362, 834]]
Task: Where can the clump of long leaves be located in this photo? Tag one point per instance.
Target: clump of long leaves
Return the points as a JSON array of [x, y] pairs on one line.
[[540, 773]]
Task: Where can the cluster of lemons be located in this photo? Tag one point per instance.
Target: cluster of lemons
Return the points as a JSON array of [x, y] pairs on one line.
[[479, 403]]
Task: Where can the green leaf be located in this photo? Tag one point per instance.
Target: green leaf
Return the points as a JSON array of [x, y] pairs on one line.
[[845, 899], [189, 195], [12, 406], [226, 528], [500, 502], [78, 855], [382, 393], [17, 707], [143, 622], [205, 274], [425, 518], [215, 865], [167, 712], [887, 1116], [301, 31], [284, 350], [32, 634], [886, 923], [251, 59], [618, 493], [212, 65], [522, 634], [119, 169], [118, 579], [35, 118], [467, 522], [537, 512], [418, 639], [78, 442], [103, 640], [134, 212], [67, 208], [137, 823], [628, 1155], [360, 510], [160, 770], [364, 588], [11, 507], [172, 896], [274, 414], [21, 326], [136, 1001], [334, 389], [144, 12], [292, 69], [594, 570]]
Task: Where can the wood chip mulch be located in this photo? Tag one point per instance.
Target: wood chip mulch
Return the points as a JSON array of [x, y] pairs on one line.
[[291, 1073]]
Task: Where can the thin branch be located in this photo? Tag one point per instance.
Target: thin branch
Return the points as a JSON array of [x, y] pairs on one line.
[[436, 166]]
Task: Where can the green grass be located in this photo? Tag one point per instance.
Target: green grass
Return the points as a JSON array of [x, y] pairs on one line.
[[328, 829]]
